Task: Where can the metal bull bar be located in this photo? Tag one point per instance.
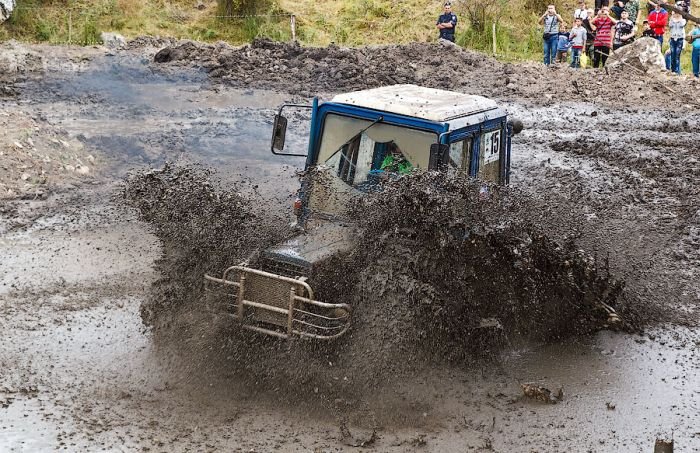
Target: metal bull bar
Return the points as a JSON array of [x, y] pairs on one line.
[[281, 306]]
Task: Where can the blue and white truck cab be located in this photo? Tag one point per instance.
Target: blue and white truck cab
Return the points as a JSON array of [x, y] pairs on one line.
[[357, 140]]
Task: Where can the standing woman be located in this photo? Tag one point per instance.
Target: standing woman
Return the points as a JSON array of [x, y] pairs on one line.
[[676, 27], [551, 20]]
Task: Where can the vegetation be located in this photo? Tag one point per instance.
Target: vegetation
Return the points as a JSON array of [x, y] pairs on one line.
[[318, 22]]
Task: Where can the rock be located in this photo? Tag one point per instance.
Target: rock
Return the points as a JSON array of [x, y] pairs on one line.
[[6, 7], [113, 40], [25, 176], [82, 169], [643, 54]]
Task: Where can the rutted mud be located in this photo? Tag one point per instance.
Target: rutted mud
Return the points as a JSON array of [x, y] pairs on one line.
[[80, 269]]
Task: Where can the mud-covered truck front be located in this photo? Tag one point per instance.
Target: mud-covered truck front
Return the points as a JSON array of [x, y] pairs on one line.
[[356, 141]]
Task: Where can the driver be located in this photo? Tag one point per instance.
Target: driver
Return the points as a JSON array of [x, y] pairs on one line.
[[395, 162]]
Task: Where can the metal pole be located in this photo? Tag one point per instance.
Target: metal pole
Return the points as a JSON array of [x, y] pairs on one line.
[[293, 23]]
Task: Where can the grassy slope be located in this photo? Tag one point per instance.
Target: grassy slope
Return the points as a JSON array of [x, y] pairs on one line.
[[319, 22]]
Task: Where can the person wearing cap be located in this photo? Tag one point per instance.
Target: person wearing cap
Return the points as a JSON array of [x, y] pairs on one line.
[[446, 23]]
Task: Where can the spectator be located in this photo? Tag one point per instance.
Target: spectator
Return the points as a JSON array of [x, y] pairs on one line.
[[603, 25], [694, 38], [578, 37], [684, 5], [590, 34], [600, 4], [676, 28], [647, 32], [618, 8], [551, 21], [582, 11], [446, 23], [658, 18], [563, 45], [632, 7], [624, 31]]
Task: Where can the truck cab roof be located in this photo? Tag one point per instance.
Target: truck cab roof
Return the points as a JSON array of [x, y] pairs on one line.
[[430, 104]]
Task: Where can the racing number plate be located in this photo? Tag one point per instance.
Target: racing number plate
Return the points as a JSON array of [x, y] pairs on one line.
[[492, 146]]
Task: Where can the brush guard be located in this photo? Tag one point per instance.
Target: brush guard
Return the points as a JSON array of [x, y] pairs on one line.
[[279, 306]]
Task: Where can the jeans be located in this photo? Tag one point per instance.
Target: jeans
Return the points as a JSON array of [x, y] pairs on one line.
[[600, 3], [695, 58], [660, 38], [676, 48], [550, 49], [600, 56], [576, 57]]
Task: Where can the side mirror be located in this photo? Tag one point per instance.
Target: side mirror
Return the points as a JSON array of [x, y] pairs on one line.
[[279, 133], [516, 126], [438, 155]]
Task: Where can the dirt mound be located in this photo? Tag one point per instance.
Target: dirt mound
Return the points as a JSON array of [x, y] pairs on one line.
[[313, 70]]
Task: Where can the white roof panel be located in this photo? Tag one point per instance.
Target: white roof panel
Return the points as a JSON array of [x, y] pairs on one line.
[[419, 102]]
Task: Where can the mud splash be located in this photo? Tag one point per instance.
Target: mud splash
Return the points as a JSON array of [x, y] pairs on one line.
[[442, 273]]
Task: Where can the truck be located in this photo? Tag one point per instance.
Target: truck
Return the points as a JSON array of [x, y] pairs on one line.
[[357, 141]]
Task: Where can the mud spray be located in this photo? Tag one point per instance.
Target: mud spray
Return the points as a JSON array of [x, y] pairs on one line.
[[444, 271]]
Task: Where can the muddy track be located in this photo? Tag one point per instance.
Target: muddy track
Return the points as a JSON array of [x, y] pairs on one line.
[[80, 371]]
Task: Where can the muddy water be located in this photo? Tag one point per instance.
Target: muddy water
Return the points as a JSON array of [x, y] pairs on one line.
[[78, 370]]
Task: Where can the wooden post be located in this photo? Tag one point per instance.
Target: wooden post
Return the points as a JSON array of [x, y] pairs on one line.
[[70, 26], [293, 23], [494, 38]]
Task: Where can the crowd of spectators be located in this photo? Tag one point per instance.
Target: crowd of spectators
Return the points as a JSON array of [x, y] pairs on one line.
[[603, 28]]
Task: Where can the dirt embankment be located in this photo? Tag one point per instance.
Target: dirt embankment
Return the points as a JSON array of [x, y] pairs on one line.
[[312, 70]]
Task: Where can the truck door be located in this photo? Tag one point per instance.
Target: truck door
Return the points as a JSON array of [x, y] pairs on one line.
[[491, 148]]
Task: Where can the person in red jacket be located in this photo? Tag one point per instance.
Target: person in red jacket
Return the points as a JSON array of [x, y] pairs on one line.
[[658, 18]]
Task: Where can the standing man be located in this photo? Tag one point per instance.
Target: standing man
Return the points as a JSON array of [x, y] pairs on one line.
[[603, 25], [658, 18], [551, 20], [446, 23], [624, 31]]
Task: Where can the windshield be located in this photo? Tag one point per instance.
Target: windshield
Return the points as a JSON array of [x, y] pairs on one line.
[[356, 149]]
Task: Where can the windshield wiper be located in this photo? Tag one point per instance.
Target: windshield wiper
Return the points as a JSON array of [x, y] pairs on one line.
[[378, 120]]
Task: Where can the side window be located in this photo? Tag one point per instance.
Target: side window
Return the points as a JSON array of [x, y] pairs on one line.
[[461, 154]]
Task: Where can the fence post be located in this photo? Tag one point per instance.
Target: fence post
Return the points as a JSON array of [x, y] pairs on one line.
[[494, 38], [70, 26], [293, 23]]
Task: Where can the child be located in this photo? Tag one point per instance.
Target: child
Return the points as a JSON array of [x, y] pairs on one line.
[[647, 31], [577, 38], [563, 45], [694, 38]]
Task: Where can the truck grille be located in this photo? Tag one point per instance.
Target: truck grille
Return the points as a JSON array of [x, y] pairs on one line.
[[284, 268]]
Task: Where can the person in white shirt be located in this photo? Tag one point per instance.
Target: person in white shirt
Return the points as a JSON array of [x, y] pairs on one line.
[[582, 11]]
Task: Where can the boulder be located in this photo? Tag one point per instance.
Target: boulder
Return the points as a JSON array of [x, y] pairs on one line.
[[6, 7], [113, 40], [643, 54]]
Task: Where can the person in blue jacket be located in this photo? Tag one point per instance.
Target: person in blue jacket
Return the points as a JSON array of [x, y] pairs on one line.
[[446, 23]]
